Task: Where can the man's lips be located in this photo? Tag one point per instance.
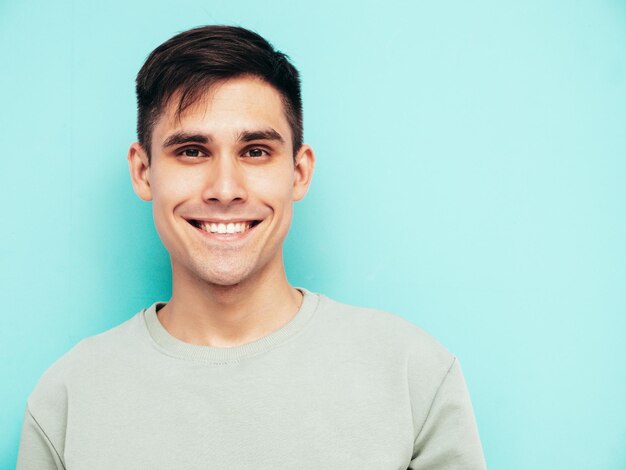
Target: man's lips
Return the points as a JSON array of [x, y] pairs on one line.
[[233, 226]]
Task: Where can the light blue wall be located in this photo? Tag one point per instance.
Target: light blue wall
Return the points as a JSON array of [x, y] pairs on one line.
[[471, 177]]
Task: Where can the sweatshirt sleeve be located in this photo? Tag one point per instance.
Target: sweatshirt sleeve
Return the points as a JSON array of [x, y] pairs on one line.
[[36, 451], [449, 437]]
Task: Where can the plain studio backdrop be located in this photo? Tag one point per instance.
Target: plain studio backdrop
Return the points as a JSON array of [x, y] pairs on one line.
[[471, 177]]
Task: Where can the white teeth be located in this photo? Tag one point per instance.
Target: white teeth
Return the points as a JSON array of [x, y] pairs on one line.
[[231, 227]]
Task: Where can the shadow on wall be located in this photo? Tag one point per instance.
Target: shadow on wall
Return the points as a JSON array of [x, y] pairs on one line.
[[307, 250], [134, 266]]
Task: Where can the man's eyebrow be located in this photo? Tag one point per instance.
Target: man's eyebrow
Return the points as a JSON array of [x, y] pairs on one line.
[[261, 134], [185, 138]]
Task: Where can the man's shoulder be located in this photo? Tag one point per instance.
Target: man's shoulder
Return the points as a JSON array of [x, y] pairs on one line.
[[106, 344], [87, 358], [383, 332]]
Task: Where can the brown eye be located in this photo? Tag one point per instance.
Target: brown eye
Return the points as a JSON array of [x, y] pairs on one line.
[[190, 153], [255, 153]]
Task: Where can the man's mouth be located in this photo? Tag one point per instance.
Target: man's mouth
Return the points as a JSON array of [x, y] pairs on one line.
[[224, 227]]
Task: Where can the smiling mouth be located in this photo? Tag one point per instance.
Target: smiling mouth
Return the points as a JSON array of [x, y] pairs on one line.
[[224, 227]]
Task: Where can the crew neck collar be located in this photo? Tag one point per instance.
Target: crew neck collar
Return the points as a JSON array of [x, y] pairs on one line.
[[175, 347]]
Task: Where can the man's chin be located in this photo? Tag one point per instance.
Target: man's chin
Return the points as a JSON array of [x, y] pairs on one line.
[[225, 278]]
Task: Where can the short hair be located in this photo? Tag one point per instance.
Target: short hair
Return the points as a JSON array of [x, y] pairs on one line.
[[190, 62]]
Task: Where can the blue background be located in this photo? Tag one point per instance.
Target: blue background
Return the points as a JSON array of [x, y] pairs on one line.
[[470, 177]]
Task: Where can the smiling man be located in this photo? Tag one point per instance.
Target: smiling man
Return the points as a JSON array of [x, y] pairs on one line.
[[239, 369]]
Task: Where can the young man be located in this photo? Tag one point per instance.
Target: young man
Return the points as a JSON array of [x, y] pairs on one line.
[[239, 369]]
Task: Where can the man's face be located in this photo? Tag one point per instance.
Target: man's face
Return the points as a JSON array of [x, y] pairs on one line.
[[222, 181]]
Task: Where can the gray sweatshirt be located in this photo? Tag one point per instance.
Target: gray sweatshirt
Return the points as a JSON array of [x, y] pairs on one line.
[[338, 387]]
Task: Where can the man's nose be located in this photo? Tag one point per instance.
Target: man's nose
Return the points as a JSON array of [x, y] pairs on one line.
[[225, 181]]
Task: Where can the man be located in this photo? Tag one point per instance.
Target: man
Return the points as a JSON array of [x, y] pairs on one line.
[[239, 369]]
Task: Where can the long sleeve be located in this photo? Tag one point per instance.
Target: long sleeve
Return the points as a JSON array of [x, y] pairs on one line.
[[449, 437], [36, 451]]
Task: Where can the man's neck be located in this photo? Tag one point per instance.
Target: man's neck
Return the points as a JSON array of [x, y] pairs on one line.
[[228, 316]]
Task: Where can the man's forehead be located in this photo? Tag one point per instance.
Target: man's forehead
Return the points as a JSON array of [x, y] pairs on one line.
[[251, 100], [250, 91]]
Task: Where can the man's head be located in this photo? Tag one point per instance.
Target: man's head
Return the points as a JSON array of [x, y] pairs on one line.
[[188, 64], [222, 158]]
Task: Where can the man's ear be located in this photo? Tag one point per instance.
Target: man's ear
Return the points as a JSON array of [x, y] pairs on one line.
[[304, 165], [139, 167]]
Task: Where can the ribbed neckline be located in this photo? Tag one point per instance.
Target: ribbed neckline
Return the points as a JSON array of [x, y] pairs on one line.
[[177, 348]]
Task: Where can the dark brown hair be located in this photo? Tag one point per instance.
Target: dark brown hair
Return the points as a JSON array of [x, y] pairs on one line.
[[190, 62]]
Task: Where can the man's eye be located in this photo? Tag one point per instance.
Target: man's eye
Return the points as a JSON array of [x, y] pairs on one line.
[[255, 153], [191, 152]]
